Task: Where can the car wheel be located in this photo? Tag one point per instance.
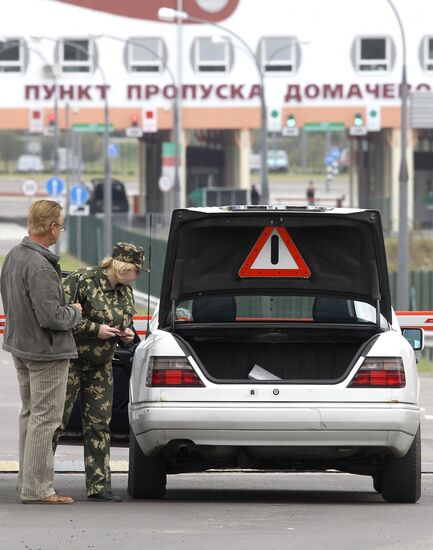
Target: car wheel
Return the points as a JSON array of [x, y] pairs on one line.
[[378, 482], [147, 476], [402, 476]]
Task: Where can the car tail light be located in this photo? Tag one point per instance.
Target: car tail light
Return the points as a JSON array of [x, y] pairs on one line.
[[380, 372], [172, 371]]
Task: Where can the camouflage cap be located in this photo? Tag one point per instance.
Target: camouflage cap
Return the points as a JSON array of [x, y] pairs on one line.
[[129, 253]]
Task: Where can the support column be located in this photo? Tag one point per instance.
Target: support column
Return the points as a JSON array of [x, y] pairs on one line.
[[142, 207], [395, 168], [183, 168], [237, 148], [244, 158]]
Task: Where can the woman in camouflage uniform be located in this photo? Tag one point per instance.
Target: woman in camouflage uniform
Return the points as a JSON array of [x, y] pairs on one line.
[[108, 306]]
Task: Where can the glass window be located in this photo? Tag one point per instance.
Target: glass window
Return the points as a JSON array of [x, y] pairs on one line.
[[279, 53], [11, 55], [373, 54], [211, 54], [428, 53], [146, 55], [305, 309], [76, 56]]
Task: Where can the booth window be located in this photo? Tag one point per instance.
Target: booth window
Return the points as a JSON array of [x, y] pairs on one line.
[[145, 55], [212, 54], [427, 53], [279, 54], [373, 54], [76, 55], [11, 55]]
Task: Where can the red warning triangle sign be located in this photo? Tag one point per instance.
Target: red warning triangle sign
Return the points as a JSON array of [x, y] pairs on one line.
[[274, 255]]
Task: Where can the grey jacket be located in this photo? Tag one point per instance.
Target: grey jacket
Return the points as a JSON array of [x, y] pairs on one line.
[[38, 321]]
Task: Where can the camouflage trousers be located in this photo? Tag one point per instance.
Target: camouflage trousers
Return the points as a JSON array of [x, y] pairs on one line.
[[93, 384]]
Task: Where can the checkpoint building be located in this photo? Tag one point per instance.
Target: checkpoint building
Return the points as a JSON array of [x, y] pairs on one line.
[[325, 65]]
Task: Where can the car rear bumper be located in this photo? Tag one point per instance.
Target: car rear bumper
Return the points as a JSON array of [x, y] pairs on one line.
[[312, 424]]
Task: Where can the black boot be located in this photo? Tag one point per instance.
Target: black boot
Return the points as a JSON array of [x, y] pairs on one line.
[[105, 496]]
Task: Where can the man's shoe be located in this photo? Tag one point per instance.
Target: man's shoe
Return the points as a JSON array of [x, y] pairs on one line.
[[52, 499], [105, 496]]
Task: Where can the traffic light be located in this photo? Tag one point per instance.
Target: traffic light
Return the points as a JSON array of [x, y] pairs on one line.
[[135, 120], [291, 121], [51, 120], [358, 120]]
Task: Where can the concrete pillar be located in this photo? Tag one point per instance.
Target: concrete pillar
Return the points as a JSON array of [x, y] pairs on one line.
[[183, 169], [395, 171], [237, 148], [244, 140], [141, 207], [353, 172]]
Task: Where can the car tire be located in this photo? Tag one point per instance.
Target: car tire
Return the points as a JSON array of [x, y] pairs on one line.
[[378, 483], [147, 476], [402, 476]]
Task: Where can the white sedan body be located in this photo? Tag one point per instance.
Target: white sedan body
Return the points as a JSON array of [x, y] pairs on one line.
[[277, 414], [275, 346]]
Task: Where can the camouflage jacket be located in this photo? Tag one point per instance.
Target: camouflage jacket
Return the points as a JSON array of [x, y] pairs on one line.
[[102, 305]]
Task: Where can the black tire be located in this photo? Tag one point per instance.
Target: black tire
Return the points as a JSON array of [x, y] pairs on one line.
[[402, 476], [378, 482], [147, 477]]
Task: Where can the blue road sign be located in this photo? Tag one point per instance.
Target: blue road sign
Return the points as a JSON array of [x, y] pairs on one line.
[[114, 150], [328, 159], [54, 187], [79, 194], [335, 152]]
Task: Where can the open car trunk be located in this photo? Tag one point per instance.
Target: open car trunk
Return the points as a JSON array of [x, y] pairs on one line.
[[309, 354]]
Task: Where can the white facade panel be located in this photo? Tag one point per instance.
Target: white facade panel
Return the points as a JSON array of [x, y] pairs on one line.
[[326, 31]]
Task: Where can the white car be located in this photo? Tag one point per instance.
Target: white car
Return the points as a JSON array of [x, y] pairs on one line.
[[275, 347], [30, 163]]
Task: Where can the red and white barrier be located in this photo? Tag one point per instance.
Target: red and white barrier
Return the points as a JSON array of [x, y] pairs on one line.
[[407, 319]]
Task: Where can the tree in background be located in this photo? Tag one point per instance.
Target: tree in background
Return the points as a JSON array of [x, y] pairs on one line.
[[91, 146]]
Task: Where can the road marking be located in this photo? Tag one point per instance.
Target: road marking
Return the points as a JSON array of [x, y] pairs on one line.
[[65, 466], [428, 416]]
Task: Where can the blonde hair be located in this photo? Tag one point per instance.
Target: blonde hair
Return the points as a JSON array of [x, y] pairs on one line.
[[117, 267], [42, 214]]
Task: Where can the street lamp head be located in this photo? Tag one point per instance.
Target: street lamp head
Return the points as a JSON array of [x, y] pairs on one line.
[[169, 14]]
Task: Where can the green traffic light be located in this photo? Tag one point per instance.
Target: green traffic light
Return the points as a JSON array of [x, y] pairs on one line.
[[291, 121], [358, 120]]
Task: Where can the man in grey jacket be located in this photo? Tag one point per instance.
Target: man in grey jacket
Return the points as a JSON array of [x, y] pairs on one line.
[[38, 335]]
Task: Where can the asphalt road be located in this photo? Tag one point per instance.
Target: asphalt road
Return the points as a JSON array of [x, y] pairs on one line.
[[223, 511]]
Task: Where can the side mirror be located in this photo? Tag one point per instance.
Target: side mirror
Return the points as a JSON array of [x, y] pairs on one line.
[[415, 337]]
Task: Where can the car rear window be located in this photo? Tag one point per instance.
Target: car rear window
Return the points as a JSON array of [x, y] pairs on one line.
[[308, 309]]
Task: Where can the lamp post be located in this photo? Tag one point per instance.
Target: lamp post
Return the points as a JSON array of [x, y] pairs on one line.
[[169, 14], [176, 109], [403, 229], [108, 207]]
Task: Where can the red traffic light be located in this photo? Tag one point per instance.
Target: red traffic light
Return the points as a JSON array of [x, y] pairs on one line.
[[51, 119], [134, 120]]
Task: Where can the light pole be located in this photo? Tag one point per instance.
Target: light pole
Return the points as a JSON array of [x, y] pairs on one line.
[[403, 229], [168, 14], [176, 109], [108, 203]]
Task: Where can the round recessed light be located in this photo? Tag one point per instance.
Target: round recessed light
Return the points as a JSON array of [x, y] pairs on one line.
[[212, 6]]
